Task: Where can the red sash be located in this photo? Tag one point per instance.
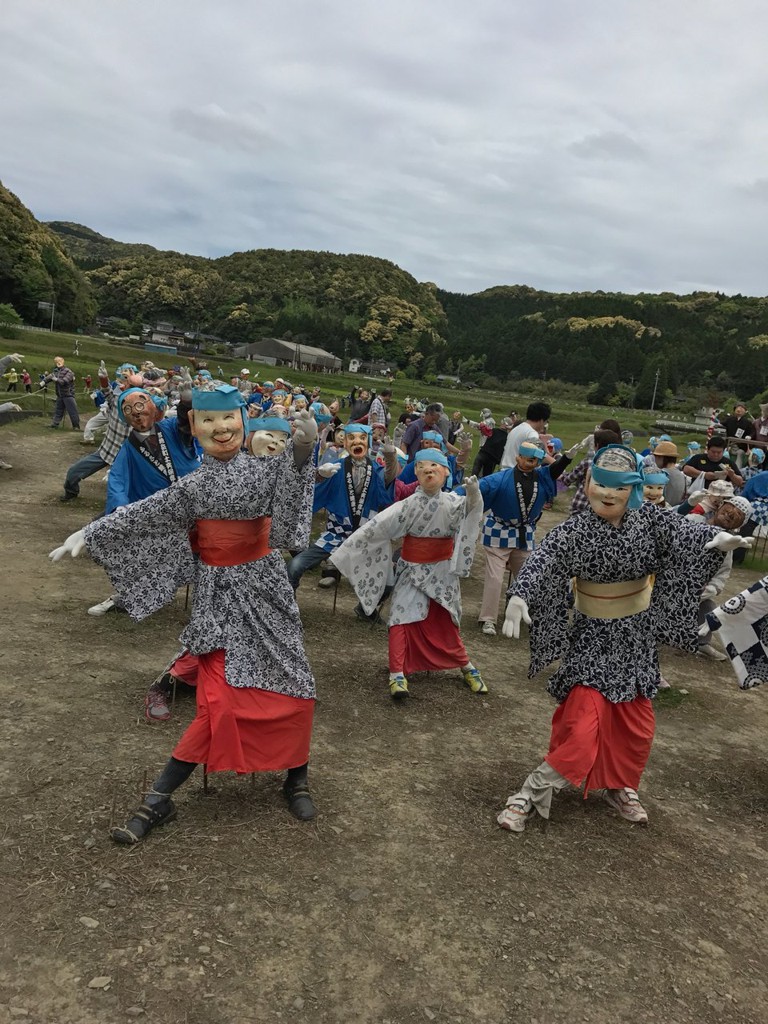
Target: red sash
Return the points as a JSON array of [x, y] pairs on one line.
[[427, 549], [233, 541]]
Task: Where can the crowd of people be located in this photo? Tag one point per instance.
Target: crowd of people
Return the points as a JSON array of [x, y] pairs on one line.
[[215, 484]]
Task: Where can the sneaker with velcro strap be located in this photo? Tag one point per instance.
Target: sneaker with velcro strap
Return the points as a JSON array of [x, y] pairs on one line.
[[517, 812]]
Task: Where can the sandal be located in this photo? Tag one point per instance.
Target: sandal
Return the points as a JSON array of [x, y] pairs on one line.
[[143, 821]]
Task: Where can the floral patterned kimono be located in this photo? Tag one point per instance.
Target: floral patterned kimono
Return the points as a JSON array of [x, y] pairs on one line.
[[439, 535], [245, 623]]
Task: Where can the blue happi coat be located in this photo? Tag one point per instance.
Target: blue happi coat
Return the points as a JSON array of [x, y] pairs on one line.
[[505, 525], [333, 494], [134, 476]]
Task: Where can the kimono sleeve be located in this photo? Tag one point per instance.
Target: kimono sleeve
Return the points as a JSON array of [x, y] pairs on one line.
[[144, 549], [294, 490], [465, 539], [684, 570], [365, 558], [543, 583]]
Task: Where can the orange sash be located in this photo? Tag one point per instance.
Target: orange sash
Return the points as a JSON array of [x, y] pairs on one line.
[[427, 549], [233, 541]]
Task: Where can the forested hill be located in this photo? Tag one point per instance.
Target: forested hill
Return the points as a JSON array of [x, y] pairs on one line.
[[613, 341], [89, 249], [362, 305], [34, 267]]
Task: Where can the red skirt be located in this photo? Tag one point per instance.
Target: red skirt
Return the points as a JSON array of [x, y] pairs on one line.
[[430, 645], [244, 729], [603, 745], [185, 668]]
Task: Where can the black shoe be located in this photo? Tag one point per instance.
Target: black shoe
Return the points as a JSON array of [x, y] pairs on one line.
[[299, 801], [68, 497], [374, 618], [143, 821], [53, 426]]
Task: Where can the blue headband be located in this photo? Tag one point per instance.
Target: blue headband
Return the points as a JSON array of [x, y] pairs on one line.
[[432, 455], [317, 409], [223, 396], [434, 435], [530, 451], [272, 423], [657, 479], [357, 428], [621, 478]]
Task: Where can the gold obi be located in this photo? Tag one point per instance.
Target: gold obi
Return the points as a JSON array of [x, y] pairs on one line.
[[612, 600]]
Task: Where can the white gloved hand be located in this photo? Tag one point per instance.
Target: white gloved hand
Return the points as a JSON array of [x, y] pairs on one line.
[[729, 542], [328, 469], [709, 592], [102, 371], [74, 545], [304, 429], [12, 407], [472, 488], [517, 612], [16, 358]]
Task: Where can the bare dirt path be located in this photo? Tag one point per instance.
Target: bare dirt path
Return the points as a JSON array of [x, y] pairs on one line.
[[405, 902]]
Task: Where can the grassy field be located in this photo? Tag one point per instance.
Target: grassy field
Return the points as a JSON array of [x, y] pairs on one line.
[[570, 421]]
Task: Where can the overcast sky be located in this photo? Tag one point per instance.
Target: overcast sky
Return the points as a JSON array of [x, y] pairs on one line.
[[565, 145]]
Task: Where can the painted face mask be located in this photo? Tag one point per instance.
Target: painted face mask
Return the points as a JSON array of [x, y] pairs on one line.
[[356, 440], [268, 435], [430, 474], [615, 483], [217, 420]]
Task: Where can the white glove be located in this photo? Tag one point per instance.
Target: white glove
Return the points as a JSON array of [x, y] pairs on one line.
[[709, 592], [729, 542], [16, 358], [74, 545], [472, 487], [102, 370], [304, 429], [12, 407], [517, 612], [328, 469]]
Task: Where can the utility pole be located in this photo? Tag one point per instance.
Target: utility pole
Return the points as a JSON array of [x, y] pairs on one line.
[[655, 386]]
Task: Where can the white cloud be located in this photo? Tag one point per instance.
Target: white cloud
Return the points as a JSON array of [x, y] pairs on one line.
[[565, 146]]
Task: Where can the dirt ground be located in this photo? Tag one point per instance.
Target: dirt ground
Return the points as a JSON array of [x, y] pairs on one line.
[[405, 902]]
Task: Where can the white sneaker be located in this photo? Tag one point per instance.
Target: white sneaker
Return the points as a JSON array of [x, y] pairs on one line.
[[627, 803], [103, 608], [5, 465], [514, 816], [712, 652], [327, 581], [489, 629]]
